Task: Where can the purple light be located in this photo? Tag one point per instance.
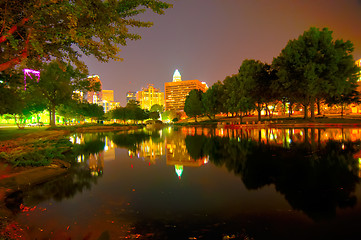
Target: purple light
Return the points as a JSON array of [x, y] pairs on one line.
[[28, 72]]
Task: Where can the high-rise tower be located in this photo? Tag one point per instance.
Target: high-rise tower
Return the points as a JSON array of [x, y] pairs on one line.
[[176, 76], [176, 92]]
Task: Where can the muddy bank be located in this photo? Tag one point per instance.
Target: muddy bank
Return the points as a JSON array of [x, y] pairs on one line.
[[22, 180]]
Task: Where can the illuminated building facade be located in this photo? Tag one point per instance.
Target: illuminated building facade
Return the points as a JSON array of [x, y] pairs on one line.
[[149, 97], [108, 100], [177, 91], [131, 96], [108, 95], [94, 97]]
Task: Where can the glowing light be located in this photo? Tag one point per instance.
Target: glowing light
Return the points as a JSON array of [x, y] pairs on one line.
[[179, 170], [176, 76], [28, 72]]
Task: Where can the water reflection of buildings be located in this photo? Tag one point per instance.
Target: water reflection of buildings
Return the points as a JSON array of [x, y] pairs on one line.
[[173, 147], [150, 149], [95, 161], [283, 136], [177, 154]]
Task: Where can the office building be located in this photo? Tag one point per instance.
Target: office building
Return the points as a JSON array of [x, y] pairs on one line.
[[131, 96], [176, 91], [108, 95], [149, 97]]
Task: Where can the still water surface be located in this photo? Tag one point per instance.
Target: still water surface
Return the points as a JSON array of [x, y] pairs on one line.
[[198, 183]]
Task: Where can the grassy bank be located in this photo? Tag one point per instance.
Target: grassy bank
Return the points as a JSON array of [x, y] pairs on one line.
[[39, 146], [7, 133]]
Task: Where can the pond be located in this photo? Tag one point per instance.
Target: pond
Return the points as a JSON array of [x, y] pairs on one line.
[[199, 183]]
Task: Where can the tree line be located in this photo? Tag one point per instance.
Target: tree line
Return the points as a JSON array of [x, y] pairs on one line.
[[310, 70]]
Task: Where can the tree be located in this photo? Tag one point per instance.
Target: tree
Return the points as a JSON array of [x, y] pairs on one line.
[[193, 106], [156, 108], [134, 112], [119, 113], [69, 110], [169, 115], [15, 100], [230, 100], [56, 86], [154, 115], [257, 78], [212, 100], [343, 99], [155, 111], [64, 30], [314, 66], [238, 90], [11, 87], [92, 110]]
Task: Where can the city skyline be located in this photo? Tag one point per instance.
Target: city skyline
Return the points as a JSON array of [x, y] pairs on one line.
[[209, 40]]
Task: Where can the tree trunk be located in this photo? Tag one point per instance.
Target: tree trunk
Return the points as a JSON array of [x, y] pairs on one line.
[[259, 112], [290, 110], [305, 106], [312, 109], [318, 107], [52, 115], [342, 110], [240, 118]]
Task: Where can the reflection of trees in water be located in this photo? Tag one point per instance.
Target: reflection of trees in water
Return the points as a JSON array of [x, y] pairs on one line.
[[132, 141], [78, 178], [315, 180]]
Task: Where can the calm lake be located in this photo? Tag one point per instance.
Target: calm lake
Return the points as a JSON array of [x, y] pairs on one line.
[[199, 183]]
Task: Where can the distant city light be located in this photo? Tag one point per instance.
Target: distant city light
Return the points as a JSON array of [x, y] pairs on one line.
[[28, 72]]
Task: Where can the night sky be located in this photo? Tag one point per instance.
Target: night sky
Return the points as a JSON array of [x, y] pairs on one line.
[[208, 39]]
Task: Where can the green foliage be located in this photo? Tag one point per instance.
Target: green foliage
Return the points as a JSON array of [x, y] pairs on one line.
[[169, 115], [315, 66], [131, 112], [91, 110], [256, 80], [193, 105], [212, 100], [66, 30], [239, 99], [39, 153], [156, 108], [154, 115], [55, 85]]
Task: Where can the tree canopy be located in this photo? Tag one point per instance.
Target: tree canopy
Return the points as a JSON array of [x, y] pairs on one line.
[[65, 30], [193, 105], [314, 66]]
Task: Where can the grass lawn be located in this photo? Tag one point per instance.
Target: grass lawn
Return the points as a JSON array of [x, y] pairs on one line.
[[7, 133]]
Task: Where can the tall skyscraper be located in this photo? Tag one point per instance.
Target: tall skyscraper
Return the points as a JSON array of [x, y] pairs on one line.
[[177, 91], [149, 97]]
